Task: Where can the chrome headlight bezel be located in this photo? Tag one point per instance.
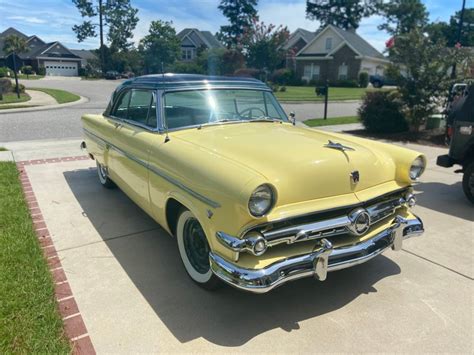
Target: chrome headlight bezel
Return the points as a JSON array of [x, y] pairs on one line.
[[417, 168], [266, 194]]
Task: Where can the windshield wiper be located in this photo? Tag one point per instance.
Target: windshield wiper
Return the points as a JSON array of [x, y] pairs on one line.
[[264, 119], [224, 120]]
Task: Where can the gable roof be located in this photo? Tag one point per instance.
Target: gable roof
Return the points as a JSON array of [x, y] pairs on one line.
[[83, 53], [364, 48], [12, 31], [205, 36], [351, 39], [299, 33]]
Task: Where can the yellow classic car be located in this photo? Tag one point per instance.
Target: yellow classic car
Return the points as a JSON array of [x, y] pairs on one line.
[[252, 199]]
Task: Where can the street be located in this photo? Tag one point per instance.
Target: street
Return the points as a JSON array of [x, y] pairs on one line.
[[65, 122]]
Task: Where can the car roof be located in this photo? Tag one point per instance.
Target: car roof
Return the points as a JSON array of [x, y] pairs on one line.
[[172, 81]]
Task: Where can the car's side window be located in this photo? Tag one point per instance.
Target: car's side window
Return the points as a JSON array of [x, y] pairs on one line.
[[121, 109], [151, 120], [140, 103]]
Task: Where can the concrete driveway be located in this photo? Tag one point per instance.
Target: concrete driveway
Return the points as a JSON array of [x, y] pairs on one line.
[[65, 122], [134, 295]]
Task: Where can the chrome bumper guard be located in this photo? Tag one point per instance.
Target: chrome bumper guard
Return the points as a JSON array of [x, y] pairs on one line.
[[319, 262]]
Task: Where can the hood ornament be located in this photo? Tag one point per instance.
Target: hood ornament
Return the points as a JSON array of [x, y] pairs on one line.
[[338, 146]]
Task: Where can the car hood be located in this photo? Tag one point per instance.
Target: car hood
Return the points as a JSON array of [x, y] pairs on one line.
[[295, 160]]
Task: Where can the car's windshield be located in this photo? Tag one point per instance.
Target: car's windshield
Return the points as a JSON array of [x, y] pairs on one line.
[[200, 107]]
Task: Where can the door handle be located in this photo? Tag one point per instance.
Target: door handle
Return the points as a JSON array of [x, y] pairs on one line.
[[117, 125]]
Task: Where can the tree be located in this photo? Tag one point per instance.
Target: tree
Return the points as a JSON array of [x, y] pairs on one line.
[[448, 32], [161, 45], [420, 68], [240, 14], [14, 45], [118, 15], [343, 14], [402, 16], [264, 45]]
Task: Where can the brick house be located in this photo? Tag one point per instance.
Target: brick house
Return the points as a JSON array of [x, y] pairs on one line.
[[297, 41], [53, 56], [335, 54], [193, 40]]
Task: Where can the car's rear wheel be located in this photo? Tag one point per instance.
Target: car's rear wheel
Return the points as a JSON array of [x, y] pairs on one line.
[[468, 181], [104, 179], [194, 250]]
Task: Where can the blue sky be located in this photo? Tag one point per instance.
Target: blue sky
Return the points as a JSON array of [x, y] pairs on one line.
[[52, 20]]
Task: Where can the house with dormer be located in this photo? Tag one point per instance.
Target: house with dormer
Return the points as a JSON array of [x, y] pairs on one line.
[[194, 40], [333, 54], [54, 57]]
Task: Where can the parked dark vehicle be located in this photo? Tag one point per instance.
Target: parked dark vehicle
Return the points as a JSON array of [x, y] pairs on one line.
[[460, 122], [378, 81], [127, 75], [112, 74]]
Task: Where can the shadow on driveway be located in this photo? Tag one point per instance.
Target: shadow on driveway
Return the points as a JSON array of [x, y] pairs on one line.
[[444, 198], [227, 317]]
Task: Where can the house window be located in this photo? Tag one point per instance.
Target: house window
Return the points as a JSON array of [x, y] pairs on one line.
[[187, 53], [311, 72], [315, 75], [328, 43], [343, 72]]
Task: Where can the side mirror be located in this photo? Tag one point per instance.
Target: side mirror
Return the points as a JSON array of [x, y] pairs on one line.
[[293, 118]]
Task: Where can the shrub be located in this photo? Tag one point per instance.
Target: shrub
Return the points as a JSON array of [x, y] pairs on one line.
[[4, 71], [20, 86], [363, 79], [283, 89], [41, 71], [27, 69], [187, 68], [5, 86], [248, 72], [381, 112], [283, 76]]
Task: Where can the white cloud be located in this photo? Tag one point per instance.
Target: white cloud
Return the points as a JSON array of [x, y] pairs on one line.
[[28, 19]]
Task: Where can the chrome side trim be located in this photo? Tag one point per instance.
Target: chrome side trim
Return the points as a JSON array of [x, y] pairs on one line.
[[153, 169], [324, 258]]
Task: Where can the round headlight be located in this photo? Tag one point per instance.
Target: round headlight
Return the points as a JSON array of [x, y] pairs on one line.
[[417, 168], [261, 201]]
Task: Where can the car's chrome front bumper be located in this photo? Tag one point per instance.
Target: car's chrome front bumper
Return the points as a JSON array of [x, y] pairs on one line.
[[324, 258]]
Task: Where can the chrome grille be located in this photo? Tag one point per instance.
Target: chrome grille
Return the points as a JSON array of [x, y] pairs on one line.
[[290, 233]]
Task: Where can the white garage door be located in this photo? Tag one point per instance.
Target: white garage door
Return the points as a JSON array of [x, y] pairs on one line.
[[61, 69]]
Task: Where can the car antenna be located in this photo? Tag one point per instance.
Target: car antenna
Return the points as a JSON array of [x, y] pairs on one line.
[[167, 137]]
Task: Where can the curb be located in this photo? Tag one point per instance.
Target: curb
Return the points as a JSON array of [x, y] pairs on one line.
[[82, 100], [74, 326]]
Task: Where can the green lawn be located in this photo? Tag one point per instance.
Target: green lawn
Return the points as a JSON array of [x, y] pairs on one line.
[[30, 77], [317, 122], [29, 319], [11, 98], [60, 96], [306, 93]]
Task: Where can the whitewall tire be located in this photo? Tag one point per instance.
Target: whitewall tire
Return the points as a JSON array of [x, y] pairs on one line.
[[104, 177], [194, 250]]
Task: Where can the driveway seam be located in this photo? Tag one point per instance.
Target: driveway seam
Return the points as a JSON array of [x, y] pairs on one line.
[[111, 238], [438, 264]]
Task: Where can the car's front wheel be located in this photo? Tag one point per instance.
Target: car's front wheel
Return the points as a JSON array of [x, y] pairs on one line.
[[468, 181], [104, 179], [194, 250]]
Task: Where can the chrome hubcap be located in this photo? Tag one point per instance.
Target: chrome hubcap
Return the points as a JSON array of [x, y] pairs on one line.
[[196, 246]]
